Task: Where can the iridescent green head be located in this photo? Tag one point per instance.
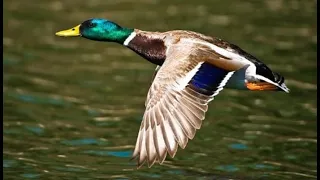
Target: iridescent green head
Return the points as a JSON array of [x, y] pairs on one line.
[[98, 30]]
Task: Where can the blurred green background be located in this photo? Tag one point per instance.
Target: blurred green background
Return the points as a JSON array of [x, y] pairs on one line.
[[72, 107]]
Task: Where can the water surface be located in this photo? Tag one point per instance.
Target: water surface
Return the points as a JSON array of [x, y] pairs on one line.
[[72, 107]]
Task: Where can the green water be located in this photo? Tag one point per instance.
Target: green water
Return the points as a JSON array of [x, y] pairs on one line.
[[72, 107]]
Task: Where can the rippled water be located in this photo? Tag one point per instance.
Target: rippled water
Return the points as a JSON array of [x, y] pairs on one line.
[[72, 107]]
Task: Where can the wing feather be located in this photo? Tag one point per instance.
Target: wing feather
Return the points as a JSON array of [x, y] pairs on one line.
[[175, 109]]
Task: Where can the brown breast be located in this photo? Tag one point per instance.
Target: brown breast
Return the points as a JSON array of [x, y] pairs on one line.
[[151, 48]]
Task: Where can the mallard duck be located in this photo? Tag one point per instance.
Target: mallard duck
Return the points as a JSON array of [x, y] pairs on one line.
[[191, 70]]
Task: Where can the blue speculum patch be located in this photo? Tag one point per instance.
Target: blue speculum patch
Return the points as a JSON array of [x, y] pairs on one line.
[[208, 77]]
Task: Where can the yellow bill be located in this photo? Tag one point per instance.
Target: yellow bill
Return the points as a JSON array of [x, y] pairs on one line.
[[69, 32]]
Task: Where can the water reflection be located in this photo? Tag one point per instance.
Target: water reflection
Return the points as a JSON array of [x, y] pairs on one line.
[[123, 154]]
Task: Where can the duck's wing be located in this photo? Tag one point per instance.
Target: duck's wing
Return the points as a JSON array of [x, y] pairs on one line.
[[155, 72], [153, 76], [176, 103]]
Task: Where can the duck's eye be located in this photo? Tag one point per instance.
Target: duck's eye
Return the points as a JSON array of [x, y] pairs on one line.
[[73, 29], [91, 25]]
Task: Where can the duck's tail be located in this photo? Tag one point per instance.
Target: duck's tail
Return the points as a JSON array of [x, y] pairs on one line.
[[274, 81], [279, 80]]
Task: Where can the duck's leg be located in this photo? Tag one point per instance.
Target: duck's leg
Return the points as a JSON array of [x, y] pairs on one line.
[[242, 81], [261, 86]]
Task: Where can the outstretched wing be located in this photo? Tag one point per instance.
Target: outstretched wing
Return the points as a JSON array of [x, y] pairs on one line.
[[176, 104], [154, 75]]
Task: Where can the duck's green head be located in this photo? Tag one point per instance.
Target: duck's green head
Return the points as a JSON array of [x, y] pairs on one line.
[[98, 30]]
